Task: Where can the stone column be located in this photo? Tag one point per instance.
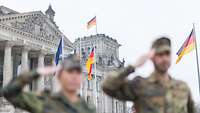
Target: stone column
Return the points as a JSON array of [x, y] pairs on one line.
[[41, 59], [40, 84], [24, 63], [24, 59], [7, 66], [7, 72]]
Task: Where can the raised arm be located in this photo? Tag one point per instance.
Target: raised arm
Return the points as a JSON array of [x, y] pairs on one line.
[[13, 92], [116, 85], [29, 101], [16, 86]]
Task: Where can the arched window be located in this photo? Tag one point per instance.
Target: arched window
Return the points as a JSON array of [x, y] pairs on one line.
[[82, 49], [88, 49], [100, 60]]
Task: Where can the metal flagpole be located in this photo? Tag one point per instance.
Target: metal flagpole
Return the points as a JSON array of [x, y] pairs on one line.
[[95, 66], [95, 76], [96, 25], [62, 48], [80, 54], [80, 51], [197, 58]]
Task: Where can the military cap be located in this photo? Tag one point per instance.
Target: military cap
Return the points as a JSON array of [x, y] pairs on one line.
[[161, 45], [71, 62]]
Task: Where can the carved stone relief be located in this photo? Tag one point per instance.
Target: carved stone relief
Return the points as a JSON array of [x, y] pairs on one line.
[[36, 25]]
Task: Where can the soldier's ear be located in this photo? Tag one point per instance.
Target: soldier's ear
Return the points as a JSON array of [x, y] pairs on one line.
[[152, 58], [151, 53]]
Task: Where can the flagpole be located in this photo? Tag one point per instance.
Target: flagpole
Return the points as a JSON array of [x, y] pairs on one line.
[[80, 54], [80, 51], [95, 69], [197, 57], [95, 76], [96, 25], [63, 48], [95, 73]]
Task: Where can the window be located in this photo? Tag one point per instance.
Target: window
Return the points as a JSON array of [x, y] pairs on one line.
[[1, 79], [100, 60], [88, 50], [82, 49], [116, 107], [89, 100], [89, 83], [98, 84], [33, 65], [1, 71]]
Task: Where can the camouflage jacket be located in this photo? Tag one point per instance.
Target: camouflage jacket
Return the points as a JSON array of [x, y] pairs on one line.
[[42, 103], [148, 94]]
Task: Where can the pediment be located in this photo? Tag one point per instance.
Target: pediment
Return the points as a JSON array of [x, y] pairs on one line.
[[6, 11], [35, 23]]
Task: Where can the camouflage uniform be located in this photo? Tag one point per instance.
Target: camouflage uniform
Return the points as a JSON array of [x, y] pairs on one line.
[[41, 103], [44, 102], [149, 94]]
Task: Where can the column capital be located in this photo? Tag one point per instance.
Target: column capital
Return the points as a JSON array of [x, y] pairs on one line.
[[10, 44], [26, 48], [42, 52], [7, 43]]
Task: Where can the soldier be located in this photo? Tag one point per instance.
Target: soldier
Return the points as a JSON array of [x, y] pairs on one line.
[[158, 93], [66, 101]]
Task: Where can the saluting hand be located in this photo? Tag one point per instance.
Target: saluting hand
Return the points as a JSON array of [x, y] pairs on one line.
[[141, 60], [48, 70]]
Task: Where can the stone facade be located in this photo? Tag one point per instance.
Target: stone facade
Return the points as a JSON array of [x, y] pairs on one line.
[[107, 59], [27, 40]]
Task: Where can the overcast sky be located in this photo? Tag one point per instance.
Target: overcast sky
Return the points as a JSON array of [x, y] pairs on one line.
[[134, 23]]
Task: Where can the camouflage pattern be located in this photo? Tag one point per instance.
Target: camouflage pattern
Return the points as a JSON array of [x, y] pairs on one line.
[[149, 94], [44, 102]]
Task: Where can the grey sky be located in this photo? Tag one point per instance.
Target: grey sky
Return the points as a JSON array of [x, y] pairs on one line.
[[134, 23]]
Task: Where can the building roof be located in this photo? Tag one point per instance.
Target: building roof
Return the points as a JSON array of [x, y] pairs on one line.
[[4, 11]]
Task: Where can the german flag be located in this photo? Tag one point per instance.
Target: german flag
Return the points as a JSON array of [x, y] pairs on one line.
[[89, 63], [187, 46], [92, 23]]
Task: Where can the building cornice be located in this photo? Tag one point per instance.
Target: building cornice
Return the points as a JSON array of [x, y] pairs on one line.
[[32, 38], [98, 37]]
